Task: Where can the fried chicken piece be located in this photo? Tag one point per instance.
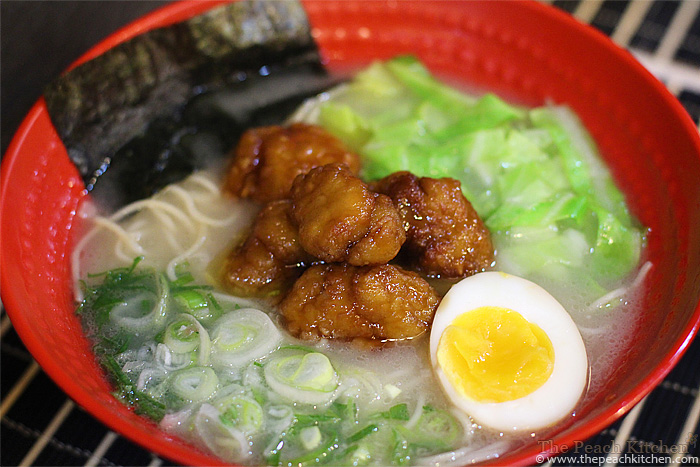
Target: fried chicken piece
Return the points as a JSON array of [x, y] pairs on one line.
[[399, 302], [252, 270], [375, 303], [445, 236], [276, 229], [385, 236], [340, 219], [270, 258], [266, 159], [321, 304]]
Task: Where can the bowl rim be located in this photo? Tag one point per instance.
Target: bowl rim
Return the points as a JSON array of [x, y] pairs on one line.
[[184, 9]]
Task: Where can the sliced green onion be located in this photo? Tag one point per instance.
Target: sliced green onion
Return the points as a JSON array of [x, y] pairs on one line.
[[181, 336], [195, 384], [392, 391], [347, 411], [172, 361], [438, 425], [294, 453], [435, 430], [359, 455], [397, 412], [225, 441], [316, 418], [362, 433], [310, 437], [191, 300], [143, 311], [188, 325], [240, 412], [402, 450], [152, 381], [142, 402], [242, 336], [307, 377], [279, 418]]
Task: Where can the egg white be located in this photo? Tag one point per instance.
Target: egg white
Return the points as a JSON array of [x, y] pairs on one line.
[[558, 396]]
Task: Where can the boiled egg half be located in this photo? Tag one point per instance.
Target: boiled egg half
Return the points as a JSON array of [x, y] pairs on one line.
[[507, 353]]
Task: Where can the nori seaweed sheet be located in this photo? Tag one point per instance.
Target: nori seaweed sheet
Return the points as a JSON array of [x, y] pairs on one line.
[[153, 109]]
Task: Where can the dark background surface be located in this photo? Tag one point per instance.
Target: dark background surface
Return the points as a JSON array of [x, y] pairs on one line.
[[39, 39]]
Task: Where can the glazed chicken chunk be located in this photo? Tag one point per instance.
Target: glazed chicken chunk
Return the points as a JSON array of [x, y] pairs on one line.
[[332, 217], [340, 219], [270, 257], [266, 159], [445, 236], [375, 303]]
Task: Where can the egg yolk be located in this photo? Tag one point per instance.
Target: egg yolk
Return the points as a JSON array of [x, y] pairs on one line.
[[493, 354]]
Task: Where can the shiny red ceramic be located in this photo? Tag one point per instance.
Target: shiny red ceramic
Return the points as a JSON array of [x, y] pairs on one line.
[[525, 51]]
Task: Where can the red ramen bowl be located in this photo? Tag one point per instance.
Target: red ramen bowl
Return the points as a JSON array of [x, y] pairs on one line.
[[526, 52]]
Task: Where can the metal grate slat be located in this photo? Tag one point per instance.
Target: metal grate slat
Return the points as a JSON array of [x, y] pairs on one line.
[[655, 23]]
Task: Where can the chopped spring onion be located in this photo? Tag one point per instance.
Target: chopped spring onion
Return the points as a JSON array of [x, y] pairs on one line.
[[191, 323], [304, 446], [397, 412], [360, 455], [142, 402], [144, 310], [240, 412], [246, 394], [392, 391], [169, 360], [241, 336], [402, 450], [362, 433], [225, 441], [152, 382], [305, 377], [181, 336], [435, 427], [195, 384], [310, 437], [279, 417], [193, 302]]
